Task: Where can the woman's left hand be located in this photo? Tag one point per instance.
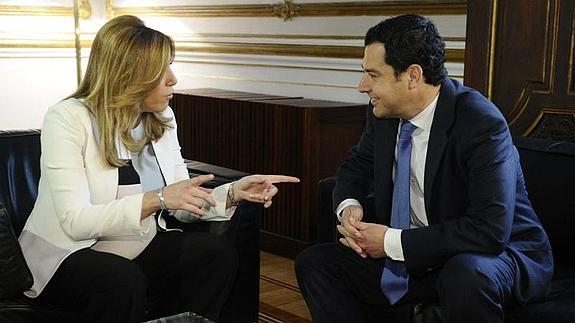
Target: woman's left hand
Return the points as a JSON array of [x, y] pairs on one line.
[[258, 188]]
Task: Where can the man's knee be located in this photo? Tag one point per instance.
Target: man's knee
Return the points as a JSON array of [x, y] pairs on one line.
[[316, 259], [466, 276]]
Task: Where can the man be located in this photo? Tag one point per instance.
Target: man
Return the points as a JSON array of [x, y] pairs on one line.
[[452, 218]]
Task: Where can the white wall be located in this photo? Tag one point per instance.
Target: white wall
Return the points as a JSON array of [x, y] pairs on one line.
[[31, 77], [38, 65]]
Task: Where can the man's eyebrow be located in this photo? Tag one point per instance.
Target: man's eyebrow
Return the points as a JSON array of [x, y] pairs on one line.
[[370, 70]]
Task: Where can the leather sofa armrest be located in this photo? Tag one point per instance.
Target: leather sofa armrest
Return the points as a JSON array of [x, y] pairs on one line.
[[15, 277], [222, 175]]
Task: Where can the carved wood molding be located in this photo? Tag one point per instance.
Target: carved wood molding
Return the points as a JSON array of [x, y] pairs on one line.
[[524, 66], [286, 10], [552, 123], [331, 51], [291, 9], [547, 75]]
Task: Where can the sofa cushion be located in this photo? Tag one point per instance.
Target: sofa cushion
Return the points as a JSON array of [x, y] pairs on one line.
[[557, 308], [20, 173], [15, 277], [549, 169], [21, 309]]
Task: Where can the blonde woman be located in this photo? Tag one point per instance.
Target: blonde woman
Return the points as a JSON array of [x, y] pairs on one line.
[[112, 172]]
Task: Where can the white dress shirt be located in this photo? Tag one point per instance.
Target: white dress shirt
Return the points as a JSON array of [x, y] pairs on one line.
[[420, 139]]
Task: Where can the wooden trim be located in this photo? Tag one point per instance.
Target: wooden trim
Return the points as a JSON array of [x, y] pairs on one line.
[[454, 55], [35, 11], [327, 9], [85, 10], [272, 314], [281, 245], [479, 34], [541, 113], [42, 43]]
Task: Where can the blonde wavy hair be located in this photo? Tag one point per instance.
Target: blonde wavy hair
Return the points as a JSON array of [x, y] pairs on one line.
[[126, 63]]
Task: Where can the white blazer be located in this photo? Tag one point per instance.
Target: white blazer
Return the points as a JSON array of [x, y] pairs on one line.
[[76, 202]]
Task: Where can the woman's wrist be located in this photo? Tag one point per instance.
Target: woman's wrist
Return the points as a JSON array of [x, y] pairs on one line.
[[232, 198], [150, 204], [162, 200]]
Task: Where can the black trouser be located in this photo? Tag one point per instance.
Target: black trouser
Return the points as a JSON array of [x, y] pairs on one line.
[[340, 286], [177, 272]]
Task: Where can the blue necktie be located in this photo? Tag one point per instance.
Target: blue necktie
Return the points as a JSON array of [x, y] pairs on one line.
[[394, 278]]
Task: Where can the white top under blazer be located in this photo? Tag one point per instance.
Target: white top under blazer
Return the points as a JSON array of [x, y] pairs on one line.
[[77, 202]]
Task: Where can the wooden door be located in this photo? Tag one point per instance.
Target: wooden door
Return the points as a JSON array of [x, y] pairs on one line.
[[520, 55]]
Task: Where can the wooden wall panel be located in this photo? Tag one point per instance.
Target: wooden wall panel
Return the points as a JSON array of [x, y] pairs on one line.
[[268, 134], [520, 55]]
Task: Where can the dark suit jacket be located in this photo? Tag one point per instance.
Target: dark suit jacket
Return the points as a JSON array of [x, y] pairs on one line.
[[474, 190]]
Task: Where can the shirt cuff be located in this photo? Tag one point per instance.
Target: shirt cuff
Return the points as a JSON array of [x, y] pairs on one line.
[[217, 213], [345, 203], [392, 244]]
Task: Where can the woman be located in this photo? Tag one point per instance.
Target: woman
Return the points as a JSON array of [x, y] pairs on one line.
[[112, 172]]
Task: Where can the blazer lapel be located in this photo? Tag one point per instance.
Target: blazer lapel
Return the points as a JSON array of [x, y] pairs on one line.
[[442, 121], [385, 150], [163, 156]]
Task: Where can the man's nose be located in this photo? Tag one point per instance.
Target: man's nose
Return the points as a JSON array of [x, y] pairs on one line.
[[363, 86]]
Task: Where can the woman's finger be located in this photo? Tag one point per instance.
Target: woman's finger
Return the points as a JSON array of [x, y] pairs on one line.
[[207, 190], [197, 210], [199, 180], [205, 197], [281, 179], [270, 192]]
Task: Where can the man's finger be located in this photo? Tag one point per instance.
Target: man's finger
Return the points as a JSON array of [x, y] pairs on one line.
[[341, 229], [354, 246], [360, 225], [344, 242], [350, 227]]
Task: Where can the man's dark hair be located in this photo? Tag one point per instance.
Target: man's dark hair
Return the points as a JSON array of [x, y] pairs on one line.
[[411, 39]]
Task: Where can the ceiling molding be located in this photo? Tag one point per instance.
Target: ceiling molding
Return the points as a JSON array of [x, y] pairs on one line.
[[41, 43], [194, 36], [319, 9], [85, 10], [453, 55]]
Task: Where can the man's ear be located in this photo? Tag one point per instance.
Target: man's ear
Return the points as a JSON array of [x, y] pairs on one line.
[[415, 76]]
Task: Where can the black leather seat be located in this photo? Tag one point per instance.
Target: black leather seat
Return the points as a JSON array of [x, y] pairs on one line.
[[19, 176], [549, 169]]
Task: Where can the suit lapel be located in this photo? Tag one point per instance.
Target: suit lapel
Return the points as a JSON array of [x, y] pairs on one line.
[[442, 120], [385, 149]]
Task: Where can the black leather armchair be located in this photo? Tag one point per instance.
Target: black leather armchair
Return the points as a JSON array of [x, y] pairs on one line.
[[549, 169], [19, 176]]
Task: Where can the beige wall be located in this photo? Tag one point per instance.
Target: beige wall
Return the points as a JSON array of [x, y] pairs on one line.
[[231, 44]]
